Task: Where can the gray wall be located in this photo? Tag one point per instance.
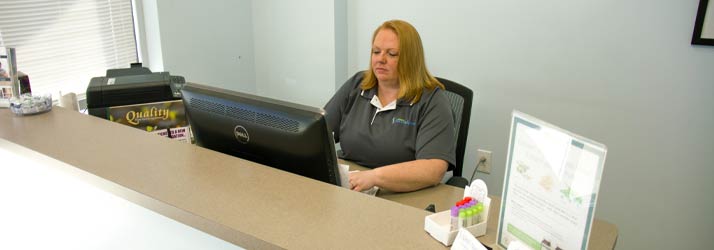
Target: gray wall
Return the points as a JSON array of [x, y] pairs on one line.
[[206, 42], [295, 50], [288, 47], [148, 34], [619, 72]]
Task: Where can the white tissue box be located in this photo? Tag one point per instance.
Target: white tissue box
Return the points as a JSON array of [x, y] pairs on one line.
[[438, 225]]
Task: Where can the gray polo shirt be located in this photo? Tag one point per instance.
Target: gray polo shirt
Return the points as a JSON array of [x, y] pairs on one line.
[[373, 138]]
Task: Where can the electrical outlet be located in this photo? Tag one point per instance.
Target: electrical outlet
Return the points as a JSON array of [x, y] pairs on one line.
[[484, 167]]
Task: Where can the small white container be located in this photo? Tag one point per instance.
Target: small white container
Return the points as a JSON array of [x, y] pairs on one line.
[[438, 225]]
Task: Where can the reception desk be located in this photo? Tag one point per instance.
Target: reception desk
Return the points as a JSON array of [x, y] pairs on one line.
[[245, 203]]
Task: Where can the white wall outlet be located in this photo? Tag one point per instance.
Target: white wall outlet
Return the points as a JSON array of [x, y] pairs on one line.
[[485, 156]]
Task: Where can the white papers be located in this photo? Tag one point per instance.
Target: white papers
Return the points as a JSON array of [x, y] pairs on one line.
[[466, 241], [344, 175], [517, 245], [478, 190], [550, 187], [372, 191]]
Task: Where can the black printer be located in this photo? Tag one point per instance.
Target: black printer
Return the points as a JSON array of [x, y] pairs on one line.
[[134, 85]]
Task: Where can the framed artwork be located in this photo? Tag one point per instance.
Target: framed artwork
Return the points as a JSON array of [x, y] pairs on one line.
[[704, 24]]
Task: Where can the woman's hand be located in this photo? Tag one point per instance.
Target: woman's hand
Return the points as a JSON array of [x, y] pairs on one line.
[[362, 180], [401, 177]]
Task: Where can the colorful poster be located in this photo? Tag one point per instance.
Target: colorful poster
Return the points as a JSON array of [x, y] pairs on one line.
[[162, 118], [551, 184]]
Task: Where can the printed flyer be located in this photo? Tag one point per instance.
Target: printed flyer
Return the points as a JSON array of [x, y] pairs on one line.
[[551, 184], [162, 118]]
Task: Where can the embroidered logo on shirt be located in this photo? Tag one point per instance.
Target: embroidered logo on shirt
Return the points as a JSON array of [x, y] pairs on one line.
[[403, 122]]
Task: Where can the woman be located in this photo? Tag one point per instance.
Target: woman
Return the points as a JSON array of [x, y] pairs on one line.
[[394, 117]]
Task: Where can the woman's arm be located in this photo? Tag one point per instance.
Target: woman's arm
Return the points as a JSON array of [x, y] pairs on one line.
[[340, 102], [401, 177]]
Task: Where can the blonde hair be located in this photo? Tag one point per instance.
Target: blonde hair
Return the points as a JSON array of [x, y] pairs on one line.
[[411, 67]]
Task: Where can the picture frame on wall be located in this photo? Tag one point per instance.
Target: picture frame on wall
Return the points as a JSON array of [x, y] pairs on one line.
[[704, 24]]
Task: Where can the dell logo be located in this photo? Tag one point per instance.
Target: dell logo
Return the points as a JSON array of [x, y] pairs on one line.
[[241, 134]]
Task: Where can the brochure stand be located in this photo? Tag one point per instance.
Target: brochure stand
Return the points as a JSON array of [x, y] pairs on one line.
[[550, 188]]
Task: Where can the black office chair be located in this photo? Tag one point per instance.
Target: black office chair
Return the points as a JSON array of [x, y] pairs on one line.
[[461, 98]]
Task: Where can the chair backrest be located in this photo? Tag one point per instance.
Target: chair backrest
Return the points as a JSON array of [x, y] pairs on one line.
[[460, 98]]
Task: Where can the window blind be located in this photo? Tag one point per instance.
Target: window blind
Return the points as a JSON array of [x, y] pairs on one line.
[[62, 44]]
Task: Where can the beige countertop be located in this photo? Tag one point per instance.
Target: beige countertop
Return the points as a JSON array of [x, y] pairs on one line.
[[242, 202]]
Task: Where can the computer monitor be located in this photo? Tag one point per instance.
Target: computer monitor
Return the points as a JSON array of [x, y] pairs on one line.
[[282, 135]]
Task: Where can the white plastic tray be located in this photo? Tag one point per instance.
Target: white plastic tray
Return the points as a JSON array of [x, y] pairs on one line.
[[438, 225]]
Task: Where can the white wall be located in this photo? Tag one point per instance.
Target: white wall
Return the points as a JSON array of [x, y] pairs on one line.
[[279, 49], [341, 73], [620, 72], [208, 42], [295, 50], [148, 35]]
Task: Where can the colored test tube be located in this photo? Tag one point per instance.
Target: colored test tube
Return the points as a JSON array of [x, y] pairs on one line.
[[470, 216], [454, 218], [479, 212], [462, 218]]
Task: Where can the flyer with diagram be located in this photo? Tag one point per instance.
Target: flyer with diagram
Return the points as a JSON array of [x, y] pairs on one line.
[[550, 188]]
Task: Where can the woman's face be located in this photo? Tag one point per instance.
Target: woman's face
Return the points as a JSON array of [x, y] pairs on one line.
[[385, 56]]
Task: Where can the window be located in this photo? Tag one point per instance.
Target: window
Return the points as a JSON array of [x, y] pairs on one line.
[[62, 44]]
